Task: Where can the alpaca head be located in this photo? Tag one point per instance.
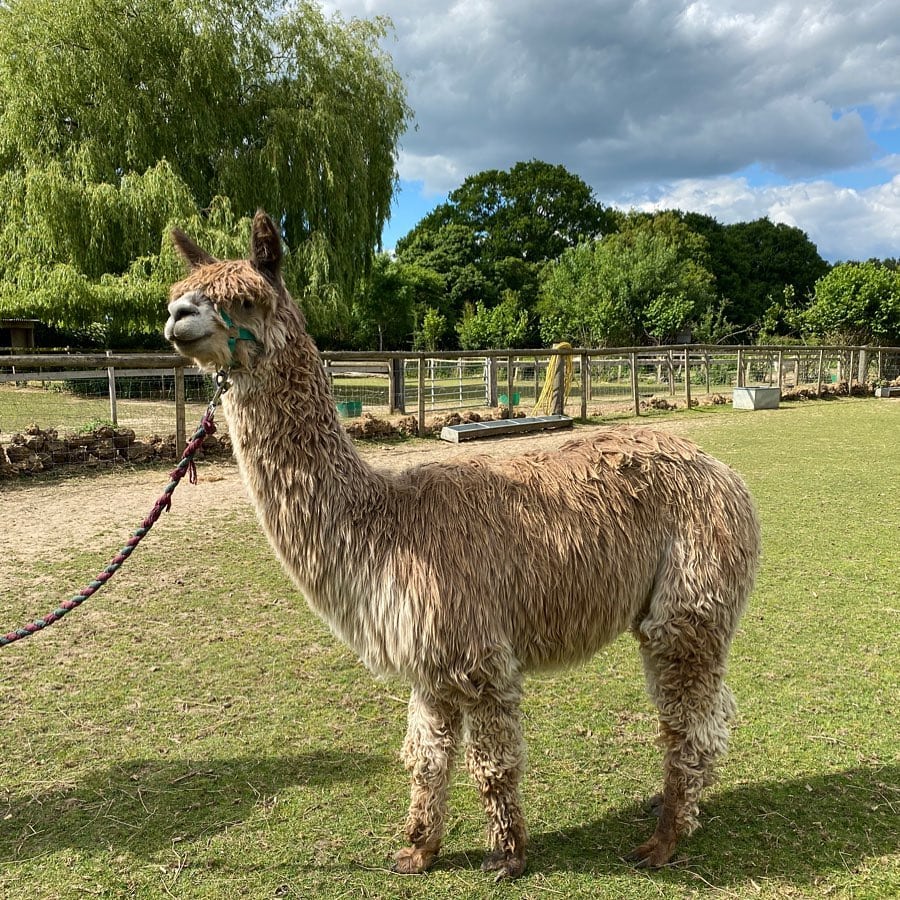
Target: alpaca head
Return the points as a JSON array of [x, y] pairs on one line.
[[232, 313]]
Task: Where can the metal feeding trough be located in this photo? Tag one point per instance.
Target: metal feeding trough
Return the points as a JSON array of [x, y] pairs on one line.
[[472, 431]]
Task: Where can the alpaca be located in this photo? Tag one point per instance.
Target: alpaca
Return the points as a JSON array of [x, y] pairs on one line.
[[633, 529]]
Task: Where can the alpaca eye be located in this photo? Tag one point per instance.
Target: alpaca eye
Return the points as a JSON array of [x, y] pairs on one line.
[[247, 304]]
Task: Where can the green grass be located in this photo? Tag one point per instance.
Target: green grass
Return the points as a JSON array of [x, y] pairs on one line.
[[194, 732], [21, 407]]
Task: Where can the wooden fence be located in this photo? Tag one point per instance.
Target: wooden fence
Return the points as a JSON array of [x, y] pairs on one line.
[[416, 383]]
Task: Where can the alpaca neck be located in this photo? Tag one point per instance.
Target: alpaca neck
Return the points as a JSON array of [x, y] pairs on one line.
[[314, 495]]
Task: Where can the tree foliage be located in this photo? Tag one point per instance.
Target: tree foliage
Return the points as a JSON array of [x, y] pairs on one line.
[[431, 330], [753, 263], [857, 303], [389, 302], [494, 328], [498, 230], [120, 117], [646, 282], [532, 212]]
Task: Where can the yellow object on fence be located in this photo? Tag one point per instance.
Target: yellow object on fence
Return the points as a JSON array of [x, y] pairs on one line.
[[548, 392]]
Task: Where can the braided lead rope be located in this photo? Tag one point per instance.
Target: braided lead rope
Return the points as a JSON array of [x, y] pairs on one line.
[[185, 467]]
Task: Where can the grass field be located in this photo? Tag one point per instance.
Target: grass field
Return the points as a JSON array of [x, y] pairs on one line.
[[194, 732], [21, 407]]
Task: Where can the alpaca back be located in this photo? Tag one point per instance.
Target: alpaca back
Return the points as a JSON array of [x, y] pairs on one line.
[[547, 556]]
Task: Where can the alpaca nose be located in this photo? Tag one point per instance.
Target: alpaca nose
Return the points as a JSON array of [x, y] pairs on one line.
[[185, 306]]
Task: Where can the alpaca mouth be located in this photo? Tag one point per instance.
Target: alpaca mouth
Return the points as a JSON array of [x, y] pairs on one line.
[[188, 331], [194, 349]]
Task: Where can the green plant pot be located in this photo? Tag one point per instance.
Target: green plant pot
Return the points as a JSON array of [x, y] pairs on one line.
[[349, 409]]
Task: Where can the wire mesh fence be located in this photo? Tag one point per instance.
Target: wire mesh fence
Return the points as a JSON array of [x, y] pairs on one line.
[[97, 410], [447, 384], [81, 401]]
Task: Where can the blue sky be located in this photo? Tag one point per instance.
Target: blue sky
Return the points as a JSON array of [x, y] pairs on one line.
[[411, 203], [734, 108]]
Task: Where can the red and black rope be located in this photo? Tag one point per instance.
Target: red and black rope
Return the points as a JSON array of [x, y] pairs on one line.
[[185, 467]]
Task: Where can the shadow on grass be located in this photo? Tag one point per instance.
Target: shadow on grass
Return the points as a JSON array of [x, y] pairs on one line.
[[145, 805], [796, 830]]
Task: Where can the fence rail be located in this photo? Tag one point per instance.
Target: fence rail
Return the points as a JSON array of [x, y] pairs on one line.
[[156, 392]]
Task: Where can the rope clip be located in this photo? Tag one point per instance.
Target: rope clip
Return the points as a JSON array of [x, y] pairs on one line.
[[222, 382]]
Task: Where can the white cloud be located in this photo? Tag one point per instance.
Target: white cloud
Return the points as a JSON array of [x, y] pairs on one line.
[[844, 223], [633, 94], [438, 174]]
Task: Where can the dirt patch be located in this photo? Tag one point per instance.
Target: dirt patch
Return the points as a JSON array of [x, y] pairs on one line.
[[45, 518], [49, 520]]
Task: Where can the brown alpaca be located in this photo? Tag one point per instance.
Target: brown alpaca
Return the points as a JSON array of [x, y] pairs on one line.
[[633, 529]]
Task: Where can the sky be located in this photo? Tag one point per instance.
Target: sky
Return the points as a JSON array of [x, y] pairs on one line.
[[734, 108]]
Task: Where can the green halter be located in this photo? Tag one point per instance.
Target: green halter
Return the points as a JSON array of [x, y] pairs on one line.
[[243, 334]]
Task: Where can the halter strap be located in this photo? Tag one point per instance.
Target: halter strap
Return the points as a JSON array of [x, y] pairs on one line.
[[237, 333]]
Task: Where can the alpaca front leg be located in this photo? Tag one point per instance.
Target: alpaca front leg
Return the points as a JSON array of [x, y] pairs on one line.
[[428, 754], [495, 757]]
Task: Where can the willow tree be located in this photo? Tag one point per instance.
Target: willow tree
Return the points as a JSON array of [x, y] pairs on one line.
[[121, 117]]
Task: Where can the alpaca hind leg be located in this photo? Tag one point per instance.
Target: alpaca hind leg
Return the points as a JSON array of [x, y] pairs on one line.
[[695, 705], [428, 753], [495, 757], [725, 714]]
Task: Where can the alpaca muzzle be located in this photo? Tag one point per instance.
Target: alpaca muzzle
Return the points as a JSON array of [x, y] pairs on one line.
[[193, 319]]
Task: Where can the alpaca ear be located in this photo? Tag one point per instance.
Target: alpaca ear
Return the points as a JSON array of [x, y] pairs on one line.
[[194, 255], [265, 245]]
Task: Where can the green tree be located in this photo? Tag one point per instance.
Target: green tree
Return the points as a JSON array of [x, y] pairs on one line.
[[498, 230], [646, 282], [451, 252], [753, 263], [532, 212], [429, 334], [497, 327], [120, 117], [389, 301], [857, 303], [574, 305]]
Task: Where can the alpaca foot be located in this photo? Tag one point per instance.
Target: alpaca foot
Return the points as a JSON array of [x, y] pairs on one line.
[[656, 804], [413, 860], [653, 853], [505, 864]]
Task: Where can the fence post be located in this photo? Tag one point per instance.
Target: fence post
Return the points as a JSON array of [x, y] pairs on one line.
[[111, 377], [559, 386], [634, 385], [431, 380], [708, 376], [510, 384], [687, 377], [780, 362], [396, 387], [819, 373], [421, 395], [180, 430], [863, 366], [670, 362], [491, 390], [880, 366], [740, 367], [585, 383]]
